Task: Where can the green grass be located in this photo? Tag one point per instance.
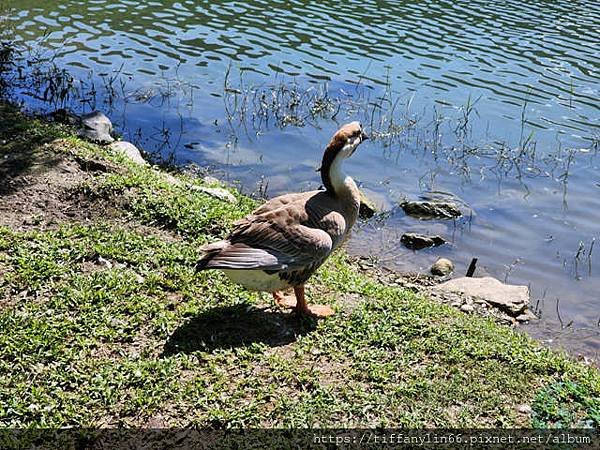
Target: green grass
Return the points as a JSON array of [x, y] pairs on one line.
[[21, 135], [106, 323]]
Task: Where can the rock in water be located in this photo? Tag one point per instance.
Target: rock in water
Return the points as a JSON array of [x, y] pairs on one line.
[[96, 127], [367, 207], [425, 209], [509, 298], [448, 197], [416, 241], [442, 267], [130, 151]]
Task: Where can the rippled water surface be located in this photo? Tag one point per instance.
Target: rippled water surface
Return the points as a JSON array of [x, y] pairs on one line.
[[496, 102]]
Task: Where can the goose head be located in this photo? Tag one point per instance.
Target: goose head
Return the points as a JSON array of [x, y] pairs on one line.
[[346, 140], [343, 144]]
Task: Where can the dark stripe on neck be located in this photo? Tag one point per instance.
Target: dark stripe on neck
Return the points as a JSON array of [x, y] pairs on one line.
[[328, 158]]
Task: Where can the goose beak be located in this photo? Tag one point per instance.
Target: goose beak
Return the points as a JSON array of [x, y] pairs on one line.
[[363, 136]]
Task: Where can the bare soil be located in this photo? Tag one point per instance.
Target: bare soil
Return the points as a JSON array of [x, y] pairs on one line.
[[43, 187]]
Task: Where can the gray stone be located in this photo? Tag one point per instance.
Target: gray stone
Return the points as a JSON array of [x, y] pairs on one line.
[[416, 241], [221, 194], [509, 298], [448, 197], [130, 151], [96, 127], [367, 207], [442, 267], [425, 209]]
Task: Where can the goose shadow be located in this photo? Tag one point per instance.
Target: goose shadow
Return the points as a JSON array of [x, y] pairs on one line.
[[236, 326]]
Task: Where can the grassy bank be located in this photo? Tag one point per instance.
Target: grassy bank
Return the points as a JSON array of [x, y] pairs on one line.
[[104, 322]]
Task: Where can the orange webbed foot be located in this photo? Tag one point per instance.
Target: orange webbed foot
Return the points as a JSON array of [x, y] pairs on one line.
[[301, 306], [284, 301], [317, 311]]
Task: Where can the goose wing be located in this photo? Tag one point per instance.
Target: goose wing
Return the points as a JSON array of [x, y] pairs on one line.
[[280, 235], [268, 246]]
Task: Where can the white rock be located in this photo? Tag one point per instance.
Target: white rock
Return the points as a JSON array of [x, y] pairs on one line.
[[96, 127], [221, 194], [130, 151], [524, 409], [510, 298]]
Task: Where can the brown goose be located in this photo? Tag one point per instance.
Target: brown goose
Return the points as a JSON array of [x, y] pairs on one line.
[[282, 243]]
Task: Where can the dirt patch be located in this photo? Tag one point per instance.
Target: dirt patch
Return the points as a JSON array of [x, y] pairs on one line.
[[40, 189]]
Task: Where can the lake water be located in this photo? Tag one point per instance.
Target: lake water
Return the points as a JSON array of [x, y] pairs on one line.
[[495, 102]]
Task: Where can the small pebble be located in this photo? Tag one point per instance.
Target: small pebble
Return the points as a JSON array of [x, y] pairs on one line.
[[524, 409], [467, 308], [526, 316], [104, 262]]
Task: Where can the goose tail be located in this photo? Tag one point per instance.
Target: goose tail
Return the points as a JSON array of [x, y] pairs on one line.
[[208, 253]]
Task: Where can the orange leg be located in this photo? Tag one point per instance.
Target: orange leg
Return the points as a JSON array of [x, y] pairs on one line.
[[302, 307]]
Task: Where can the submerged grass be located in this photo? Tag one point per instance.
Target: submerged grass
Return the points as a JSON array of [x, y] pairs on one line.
[[104, 322]]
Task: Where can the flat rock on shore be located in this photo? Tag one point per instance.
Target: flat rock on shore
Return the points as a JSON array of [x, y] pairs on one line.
[[509, 298]]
